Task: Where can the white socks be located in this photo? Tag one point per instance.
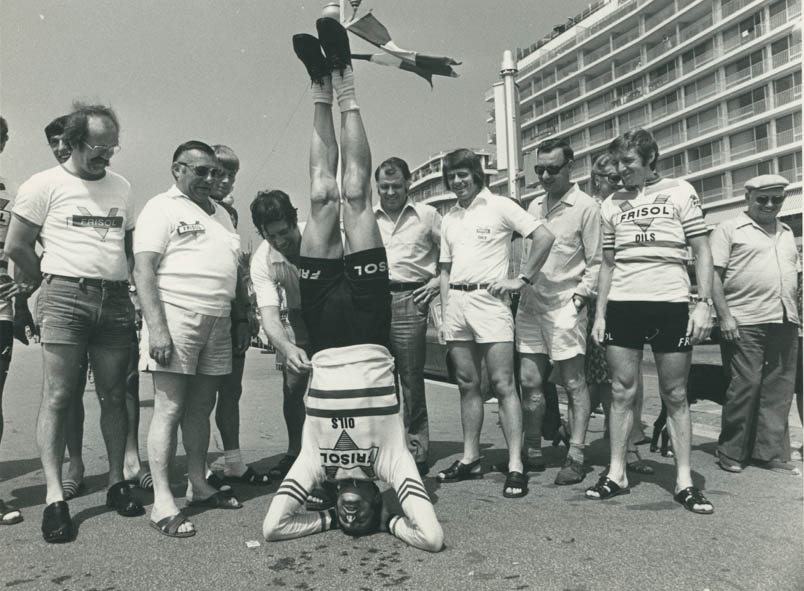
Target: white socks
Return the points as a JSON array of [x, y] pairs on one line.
[[322, 93], [344, 85]]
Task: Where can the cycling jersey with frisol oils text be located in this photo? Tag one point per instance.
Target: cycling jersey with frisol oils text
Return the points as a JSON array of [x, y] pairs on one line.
[[353, 429], [648, 230]]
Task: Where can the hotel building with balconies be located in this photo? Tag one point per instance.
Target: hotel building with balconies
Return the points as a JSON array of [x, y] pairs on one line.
[[717, 82]]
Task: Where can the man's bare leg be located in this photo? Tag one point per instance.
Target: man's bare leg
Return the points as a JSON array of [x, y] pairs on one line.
[[672, 370], [574, 380], [466, 358], [533, 368], [500, 364], [624, 366]]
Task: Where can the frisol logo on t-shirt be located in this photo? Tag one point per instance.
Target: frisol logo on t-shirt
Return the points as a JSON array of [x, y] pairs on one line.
[[101, 224], [5, 216]]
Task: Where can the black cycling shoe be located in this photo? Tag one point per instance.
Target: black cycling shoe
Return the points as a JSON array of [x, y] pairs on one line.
[[335, 43], [308, 50]]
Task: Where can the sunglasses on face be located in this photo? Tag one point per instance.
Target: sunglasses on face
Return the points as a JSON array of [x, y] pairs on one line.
[[204, 171], [551, 170], [763, 200], [113, 149]]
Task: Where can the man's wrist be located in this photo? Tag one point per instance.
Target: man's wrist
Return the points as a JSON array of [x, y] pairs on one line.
[[579, 301], [524, 279]]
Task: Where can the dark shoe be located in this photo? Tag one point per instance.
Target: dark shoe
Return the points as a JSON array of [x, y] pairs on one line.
[[57, 527], [571, 472], [282, 467], [460, 471], [308, 50], [7, 514], [219, 500], [217, 482], [169, 526], [118, 497], [692, 496], [423, 468], [249, 477], [605, 488], [71, 489], [515, 480], [727, 464], [335, 43]]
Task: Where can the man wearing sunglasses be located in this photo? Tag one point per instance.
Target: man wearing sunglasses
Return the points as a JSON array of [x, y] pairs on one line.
[[186, 256], [756, 275], [83, 215], [549, 322]]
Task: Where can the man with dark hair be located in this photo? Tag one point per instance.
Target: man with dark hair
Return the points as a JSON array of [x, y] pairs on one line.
[[54, 132], [186, 270], [549, 322], [8, 515], [275, 276], [230, 389], [353, 433], [411, 233], [477, 321], [644, 293], [83, 301]]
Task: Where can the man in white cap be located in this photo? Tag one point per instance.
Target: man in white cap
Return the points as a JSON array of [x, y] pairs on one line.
[[754, 292]]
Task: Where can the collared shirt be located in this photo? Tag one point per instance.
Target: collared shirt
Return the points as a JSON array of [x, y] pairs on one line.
[[412, 242], [574, 261], [198, 267], [761, 270], [477, 240]]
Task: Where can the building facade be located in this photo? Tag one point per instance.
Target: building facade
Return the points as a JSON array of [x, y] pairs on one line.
[[718, 83]]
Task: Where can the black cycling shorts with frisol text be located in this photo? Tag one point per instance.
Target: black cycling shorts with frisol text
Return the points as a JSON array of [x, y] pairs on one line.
[[346, 301], [662, 325]]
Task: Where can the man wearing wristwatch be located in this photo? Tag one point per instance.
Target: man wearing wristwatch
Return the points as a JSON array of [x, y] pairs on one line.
[[549, 325]]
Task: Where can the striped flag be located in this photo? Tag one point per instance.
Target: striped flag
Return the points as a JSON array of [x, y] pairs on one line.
[[369, 28]]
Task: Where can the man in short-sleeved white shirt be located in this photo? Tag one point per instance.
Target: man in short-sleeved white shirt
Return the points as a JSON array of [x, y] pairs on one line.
[[186, 258], [275, 277], [475, 254], [83, 216]]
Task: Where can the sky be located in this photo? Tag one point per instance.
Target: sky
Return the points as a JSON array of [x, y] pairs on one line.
[[223, 71]]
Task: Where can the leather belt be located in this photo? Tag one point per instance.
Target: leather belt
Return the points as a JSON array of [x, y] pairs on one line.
[[101, 283], [402, 286], [468, 286]]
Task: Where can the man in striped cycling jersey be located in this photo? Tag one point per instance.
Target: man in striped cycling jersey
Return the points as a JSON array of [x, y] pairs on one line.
[[354, 433]]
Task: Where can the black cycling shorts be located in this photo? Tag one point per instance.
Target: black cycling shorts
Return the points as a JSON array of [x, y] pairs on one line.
[[662, 325], [6, 342], [346, 301]]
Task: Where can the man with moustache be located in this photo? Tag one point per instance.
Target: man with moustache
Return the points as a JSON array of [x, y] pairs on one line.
[[475, 254], [83, 300], [186, 272], [755, 282], [411, 233]]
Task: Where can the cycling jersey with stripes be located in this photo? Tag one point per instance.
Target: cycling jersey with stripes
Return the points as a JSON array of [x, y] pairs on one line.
[[354, 429], [648, 230]]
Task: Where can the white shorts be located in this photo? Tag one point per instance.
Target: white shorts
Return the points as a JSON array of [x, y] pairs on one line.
[[202, 345], [477, 316], [560, 334]]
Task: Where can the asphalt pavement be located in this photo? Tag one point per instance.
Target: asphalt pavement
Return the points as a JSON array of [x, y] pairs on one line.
[[552, 539]]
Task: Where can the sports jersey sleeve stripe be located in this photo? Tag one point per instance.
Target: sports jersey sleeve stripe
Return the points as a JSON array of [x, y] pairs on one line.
[[654, 244], [292, 489], [353, 412], [655, 258], [356, 393]]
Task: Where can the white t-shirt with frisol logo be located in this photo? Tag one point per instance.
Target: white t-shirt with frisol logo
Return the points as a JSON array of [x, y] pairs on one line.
[[648, 231], [6, 197], [83, 223], [198, 268]]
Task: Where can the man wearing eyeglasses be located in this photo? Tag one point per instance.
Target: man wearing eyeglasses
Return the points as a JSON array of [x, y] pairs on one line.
[[549, 322], [756, 276], [186, 272], [83, 215]]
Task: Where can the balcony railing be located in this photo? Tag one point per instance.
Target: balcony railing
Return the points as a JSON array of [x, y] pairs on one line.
[[664, 110], [703, 127], [696, 27], [595, 137], [730, 8], [791, 174], [684, 3], [715, 194], [791, 94], [789, 54], [789, 136], [670, 140], [525, 92], [705, 162], [662, 80], [700, 59], [598, 81], [745, 74], [749, 148], [595, 55], [580, 169], [628, 67], [747, 111], [662, 47], [567, 70], [702, 92], [550, 105], [742, 39], [661, 16], [548, 79], [627, 97], [567, 122], [595, 108], [571, 94], [675, 171], [625, 37]]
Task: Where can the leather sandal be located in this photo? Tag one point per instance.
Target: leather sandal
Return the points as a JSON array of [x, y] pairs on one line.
[[515, 480], [691, 496], [119, 498], [57, 527], [606, 488], [459, 471]]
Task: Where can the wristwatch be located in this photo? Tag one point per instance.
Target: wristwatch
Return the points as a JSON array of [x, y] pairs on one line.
[[707, 301], [524, 278], [583, 301]]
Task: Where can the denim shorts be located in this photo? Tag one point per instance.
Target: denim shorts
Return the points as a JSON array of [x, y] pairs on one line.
[[202, 344], [72, 313]]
